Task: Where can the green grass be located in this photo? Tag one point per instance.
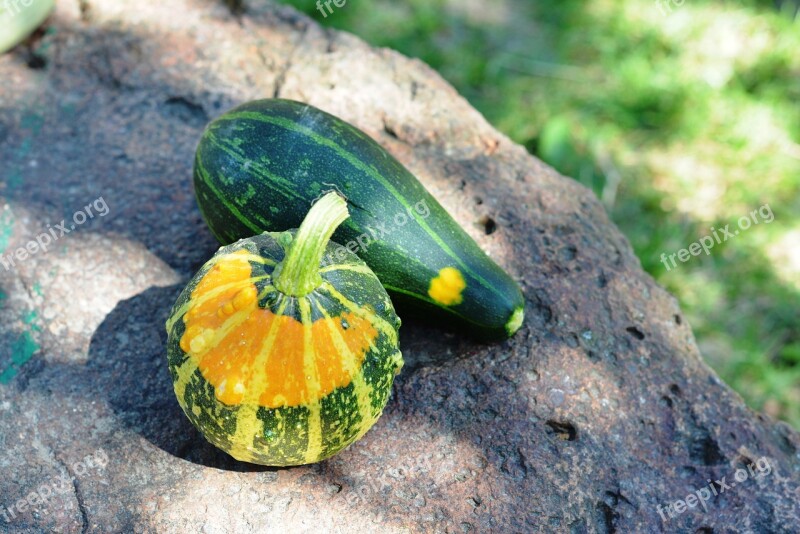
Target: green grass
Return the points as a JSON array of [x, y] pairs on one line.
[[678, 121]]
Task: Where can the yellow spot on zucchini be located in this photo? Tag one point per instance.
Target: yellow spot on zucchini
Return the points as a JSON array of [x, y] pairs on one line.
[[446, 288]]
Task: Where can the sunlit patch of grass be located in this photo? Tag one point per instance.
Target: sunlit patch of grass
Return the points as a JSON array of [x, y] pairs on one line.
[[785, 256]]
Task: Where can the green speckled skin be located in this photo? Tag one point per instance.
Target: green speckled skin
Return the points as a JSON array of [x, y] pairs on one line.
[[260, 166]]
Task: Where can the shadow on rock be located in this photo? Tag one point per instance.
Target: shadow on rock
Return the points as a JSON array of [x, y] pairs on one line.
[[424, 345], [128, 354]]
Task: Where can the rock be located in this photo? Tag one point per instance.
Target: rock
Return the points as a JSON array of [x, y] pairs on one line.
[[596, 413]]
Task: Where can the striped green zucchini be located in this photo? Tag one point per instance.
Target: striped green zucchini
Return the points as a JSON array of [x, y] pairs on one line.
[[276, 360], [260, 166]]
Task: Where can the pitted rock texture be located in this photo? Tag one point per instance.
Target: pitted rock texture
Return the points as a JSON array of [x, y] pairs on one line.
[[596, 412]]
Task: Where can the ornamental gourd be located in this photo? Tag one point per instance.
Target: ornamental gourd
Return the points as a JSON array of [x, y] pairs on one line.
[[258, 166], [277, 357]]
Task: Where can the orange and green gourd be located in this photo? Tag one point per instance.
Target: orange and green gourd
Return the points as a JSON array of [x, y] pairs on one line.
[[281, 358]]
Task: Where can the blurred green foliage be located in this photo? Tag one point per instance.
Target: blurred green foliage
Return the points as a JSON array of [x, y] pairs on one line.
[[680, 118]]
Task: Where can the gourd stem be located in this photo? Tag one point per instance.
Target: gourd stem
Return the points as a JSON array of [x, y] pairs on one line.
[[298, 274]]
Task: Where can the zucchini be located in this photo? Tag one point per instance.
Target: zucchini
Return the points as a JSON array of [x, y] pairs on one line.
[[279, 361], [260, 166]]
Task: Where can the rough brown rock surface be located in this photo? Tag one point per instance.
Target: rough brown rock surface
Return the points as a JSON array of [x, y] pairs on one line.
[[599, 410]]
